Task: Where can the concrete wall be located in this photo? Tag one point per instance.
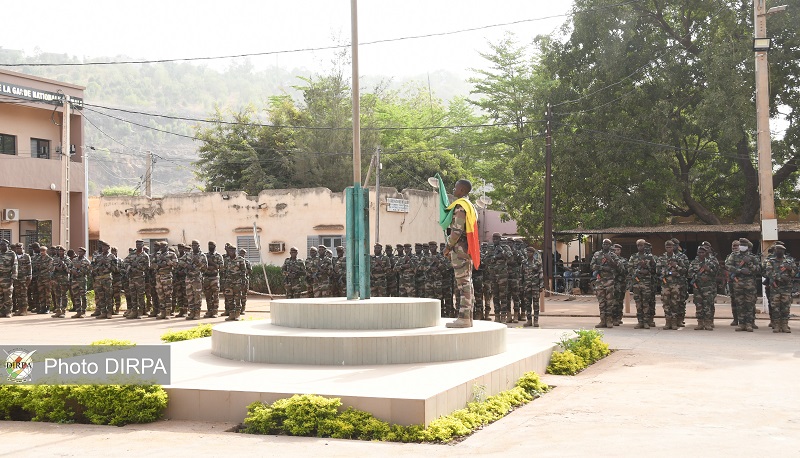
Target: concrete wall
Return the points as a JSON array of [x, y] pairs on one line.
[[289, 216]]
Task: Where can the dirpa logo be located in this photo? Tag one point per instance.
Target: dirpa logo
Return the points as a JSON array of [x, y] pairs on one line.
[[19, 366]]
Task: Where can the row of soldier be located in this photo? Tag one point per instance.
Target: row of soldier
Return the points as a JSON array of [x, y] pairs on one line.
[[169, 282], [510, 273], [643, 273]]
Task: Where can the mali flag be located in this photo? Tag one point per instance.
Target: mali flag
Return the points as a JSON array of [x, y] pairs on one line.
[[446, 217]]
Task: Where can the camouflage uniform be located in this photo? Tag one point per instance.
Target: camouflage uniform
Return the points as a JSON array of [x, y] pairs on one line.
[[150, 295], [164, 262], [102, 265], [780, 271], [642, 269], [531, 285], [79, 271], [391, 276], [487, 271], [248, 272], [462, 266], [126, 286], [227, 298], [138, 265], [24, 275], [379, 271], [672, 269], [684, 296], [9, 266], [515, 260], [180, 302], [743, 269], [293, 272], [499, 267], [312, 271], [339, 280], [420, 271], [60, 282], [235, 271], [703, 277], [406, 269], [437, 273], [211, 284], [448, 283], [194, 264], [322, 288], [116, 281], [605, 265], [43, 273], [620, 286], [477, 286]]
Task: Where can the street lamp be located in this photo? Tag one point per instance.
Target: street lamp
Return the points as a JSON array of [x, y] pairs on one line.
[[762, 44]]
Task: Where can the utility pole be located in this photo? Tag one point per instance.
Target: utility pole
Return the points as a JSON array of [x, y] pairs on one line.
[[378, 194], [148, 176], [66, 150], [548, 202]]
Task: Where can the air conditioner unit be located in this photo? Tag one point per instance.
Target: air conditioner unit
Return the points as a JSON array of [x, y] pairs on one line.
[[277, 247], [11, 214]]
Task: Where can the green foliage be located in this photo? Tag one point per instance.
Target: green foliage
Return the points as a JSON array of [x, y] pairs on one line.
[[114, 342], [274, 275], [578, 352], [311, 415], [120, 191], [116, 405], [197, 332]]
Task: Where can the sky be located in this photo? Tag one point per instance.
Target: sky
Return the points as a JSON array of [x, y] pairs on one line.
[[149, 29]]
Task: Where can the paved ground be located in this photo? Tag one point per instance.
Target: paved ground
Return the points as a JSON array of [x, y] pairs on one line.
[[662, 393]]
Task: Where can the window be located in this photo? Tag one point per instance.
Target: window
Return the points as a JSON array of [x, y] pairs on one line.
[[40, 148], [5, 234], [248, 243], [8, 144], [331, 242], [44, 230]]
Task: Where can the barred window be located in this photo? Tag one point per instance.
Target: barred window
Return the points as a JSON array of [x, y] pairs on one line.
[[8, 144]]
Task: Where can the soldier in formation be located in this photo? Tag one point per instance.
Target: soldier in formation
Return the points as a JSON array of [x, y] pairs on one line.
[[779, 270], [294, 271], [606, 266]]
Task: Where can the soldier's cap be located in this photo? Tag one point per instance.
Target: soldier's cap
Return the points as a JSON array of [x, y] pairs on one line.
[[42, 248], [102, 243], [195, 242], [496, 234], [162, 243], [702, 248], [242, 250], [16, 245], [180, 245], [641, 241], [617, 245], [82, 249], [433, 243], [780, 245], [211, 243], [294, 248], [669, 243], [323, 247], [706, 243], [417, 244], [227, 245], [407, 245], [648, 244], [374, 246], [314, 249], [531, 249], [676, 241], [139, 241], [60, 248], [606, 240], [745, 241]]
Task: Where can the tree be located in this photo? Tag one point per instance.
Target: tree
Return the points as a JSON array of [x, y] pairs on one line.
[[120, 191]]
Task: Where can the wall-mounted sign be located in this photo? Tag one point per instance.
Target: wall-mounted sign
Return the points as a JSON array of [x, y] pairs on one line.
[[397, 205], [27, 93]]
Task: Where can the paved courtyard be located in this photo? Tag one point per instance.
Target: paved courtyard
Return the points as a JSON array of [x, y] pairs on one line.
[[661, 393]]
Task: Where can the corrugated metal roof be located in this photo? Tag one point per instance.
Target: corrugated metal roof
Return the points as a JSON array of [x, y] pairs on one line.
[[682, 228]]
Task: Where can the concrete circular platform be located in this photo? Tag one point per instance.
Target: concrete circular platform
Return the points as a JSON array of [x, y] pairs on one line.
[[340, 313], [265, 342]]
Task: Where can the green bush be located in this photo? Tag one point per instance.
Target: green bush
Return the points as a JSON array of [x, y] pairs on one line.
[[114, 343], [99, 404], [579, 352], [197, 332], [274, 275], [311, 415]]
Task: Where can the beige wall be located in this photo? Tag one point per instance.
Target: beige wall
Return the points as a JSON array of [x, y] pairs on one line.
[[287, 216]]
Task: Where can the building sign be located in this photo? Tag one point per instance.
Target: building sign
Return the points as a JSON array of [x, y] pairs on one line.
[[27, 93], [397, 205]]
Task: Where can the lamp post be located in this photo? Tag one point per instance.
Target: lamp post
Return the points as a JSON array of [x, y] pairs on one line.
[[761, 46]]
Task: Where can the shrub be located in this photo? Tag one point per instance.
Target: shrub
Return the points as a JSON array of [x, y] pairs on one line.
[[310, 415], [274, 275], [99, 404], [578, 352], [114, 343], [197, 332]]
